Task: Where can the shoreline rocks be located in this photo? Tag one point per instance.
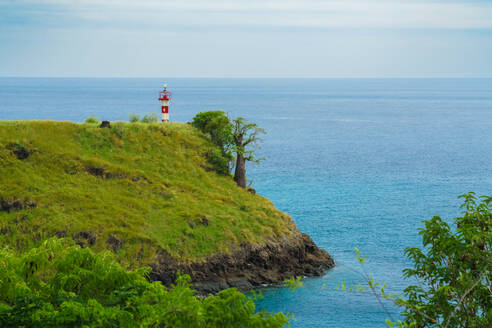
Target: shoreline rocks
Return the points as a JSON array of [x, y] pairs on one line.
[[250, 266]]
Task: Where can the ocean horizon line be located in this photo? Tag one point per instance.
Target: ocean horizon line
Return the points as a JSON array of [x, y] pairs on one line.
[[249, 78]]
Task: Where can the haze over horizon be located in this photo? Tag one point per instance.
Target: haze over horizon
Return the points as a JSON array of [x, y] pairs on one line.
[[273, 38]]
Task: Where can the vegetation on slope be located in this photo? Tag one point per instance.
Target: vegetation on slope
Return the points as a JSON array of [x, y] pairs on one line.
[[134, 188]]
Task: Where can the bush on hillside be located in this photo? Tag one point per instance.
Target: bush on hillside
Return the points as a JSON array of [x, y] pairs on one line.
[[134, 118], [149, 118], [60, 284], [219, 162], [92, 120], [217, 126]]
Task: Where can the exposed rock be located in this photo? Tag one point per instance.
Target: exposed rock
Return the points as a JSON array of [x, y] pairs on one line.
[[10, 206], [204, 221], [60, 234], [21, 219], [114, 243], [164, 269], [105, 124], [249, 266], [241, 284], [21, 153], [102, 173], [252, 190], [97, 171], [85, 238], [15, 204]]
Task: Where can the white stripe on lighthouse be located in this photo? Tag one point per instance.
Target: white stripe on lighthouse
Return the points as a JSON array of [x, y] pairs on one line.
[[165, 116]]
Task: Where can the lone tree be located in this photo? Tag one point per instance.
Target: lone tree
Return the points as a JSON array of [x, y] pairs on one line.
[[244, 134], [237, 137]]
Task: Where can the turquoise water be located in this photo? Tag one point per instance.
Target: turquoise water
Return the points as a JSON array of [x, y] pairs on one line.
[[356, 162]]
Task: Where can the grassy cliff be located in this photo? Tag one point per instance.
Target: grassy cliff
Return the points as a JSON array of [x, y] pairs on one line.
[[135, 188]]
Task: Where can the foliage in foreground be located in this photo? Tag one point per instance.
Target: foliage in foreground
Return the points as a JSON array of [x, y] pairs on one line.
[[60, 284], [453, 271]]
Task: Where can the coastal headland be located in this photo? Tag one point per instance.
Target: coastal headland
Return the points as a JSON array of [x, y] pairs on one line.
[[147, 193]]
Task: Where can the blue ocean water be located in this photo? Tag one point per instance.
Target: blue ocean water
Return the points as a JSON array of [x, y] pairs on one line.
[[356, 162]]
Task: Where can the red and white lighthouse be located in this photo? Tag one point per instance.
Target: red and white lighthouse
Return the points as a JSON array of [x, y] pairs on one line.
[[165, 97]]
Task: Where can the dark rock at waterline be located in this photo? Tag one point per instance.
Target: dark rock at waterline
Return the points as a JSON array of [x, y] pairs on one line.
[[249, 266]]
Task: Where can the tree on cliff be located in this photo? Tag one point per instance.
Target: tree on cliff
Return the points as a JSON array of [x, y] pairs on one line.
[[217, 126], [237, 136], [244, 135]]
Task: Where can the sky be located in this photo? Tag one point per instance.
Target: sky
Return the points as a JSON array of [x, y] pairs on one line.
[[248, 38]]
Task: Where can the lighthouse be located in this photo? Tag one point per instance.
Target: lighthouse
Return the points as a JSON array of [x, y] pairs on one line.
[[165, 97]]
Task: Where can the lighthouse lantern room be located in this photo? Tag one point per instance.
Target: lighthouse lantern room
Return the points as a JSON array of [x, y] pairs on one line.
[[165, 97]]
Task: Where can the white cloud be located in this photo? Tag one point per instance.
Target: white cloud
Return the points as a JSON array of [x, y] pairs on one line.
[[277, 13]]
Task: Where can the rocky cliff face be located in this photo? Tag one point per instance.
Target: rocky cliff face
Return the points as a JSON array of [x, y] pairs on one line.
[[250, 266]]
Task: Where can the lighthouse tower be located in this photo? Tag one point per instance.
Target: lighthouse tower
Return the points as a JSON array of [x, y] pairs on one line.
[[165, 97]]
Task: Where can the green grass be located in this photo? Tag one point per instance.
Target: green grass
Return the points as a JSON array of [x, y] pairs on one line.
[[158, 194]]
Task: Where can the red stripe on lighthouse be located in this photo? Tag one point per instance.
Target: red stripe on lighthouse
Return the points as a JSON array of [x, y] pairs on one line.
[[165, 109]]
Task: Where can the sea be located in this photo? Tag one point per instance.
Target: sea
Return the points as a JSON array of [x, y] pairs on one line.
[[357, 163]]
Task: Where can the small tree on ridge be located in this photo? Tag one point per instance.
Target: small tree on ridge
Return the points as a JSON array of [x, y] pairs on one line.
[[244, 134]]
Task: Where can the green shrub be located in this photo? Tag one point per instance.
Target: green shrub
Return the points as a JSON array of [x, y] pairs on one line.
[[454, 270], [217, 126], [60, 284], [149, 118], [92, 120], [134, 118], [219, 161]]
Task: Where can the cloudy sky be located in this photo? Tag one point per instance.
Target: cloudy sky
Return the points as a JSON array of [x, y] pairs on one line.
[[248, 38]]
